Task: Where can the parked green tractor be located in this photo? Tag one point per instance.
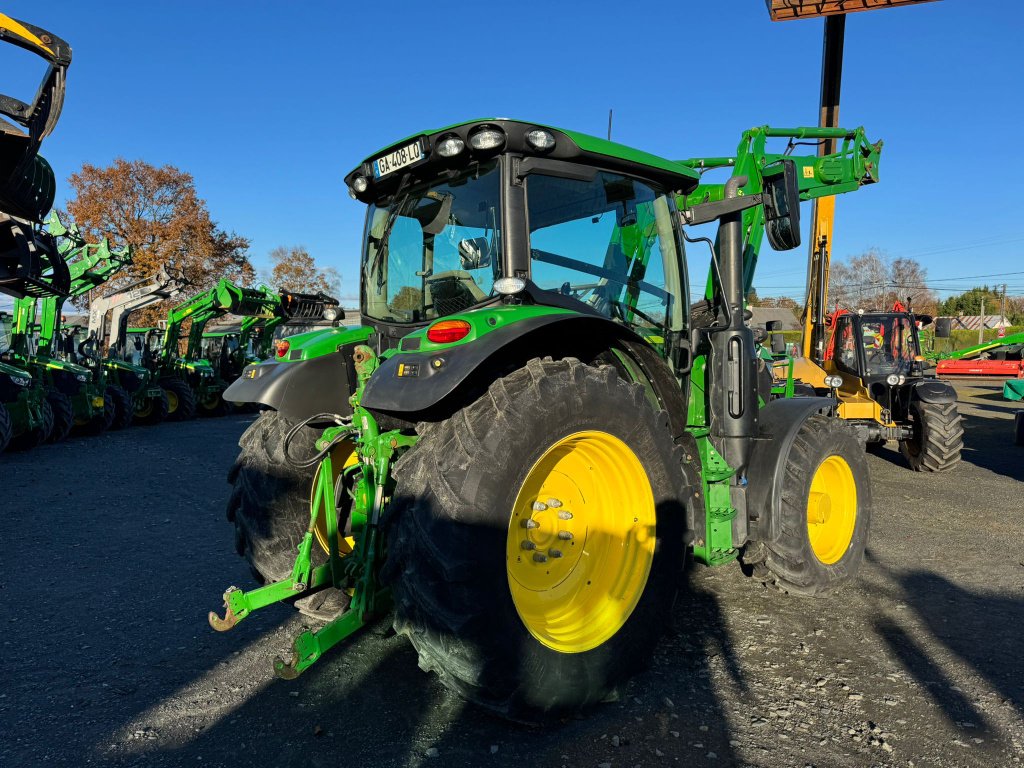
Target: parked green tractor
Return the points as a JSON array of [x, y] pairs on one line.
[[252, 340], [519, 451], [26, 419], [192, 384], [78, 391], [108, 323]]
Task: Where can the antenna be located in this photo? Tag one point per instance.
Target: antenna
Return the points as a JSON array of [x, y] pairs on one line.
[[609, 125]]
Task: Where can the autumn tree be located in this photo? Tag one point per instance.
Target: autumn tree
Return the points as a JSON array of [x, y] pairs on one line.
[[872, 280], [295, 270], [158, 212]]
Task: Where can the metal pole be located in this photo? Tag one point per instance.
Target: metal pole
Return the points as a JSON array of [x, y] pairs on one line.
[[823, 210], [981, 327]]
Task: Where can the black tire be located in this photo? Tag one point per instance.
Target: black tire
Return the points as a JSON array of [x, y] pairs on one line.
[[6, 428], [38, 434], [1018, 428], [155, 410], [938, 437], [181, 397], [101, 421], [789, 563], [212, 409], [448, 529], [63, 416], [124, 408], [269, 505]]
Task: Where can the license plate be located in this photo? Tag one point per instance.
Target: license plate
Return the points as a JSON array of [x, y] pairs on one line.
[[400, 158]]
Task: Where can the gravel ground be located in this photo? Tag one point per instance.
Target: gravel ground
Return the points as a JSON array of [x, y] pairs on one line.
[[106, 582]]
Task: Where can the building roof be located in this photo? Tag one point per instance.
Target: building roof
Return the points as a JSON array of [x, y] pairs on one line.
[[973, 322]]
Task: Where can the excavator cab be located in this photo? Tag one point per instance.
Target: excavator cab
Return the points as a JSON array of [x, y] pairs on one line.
[[30, 264]]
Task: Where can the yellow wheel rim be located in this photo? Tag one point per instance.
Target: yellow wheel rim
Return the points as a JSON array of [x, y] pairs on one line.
[[831, 510], [146, 409], [580, 541], [172, 401], [343, 456]]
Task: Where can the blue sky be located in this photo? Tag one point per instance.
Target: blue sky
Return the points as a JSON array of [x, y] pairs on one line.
[[268, 105]]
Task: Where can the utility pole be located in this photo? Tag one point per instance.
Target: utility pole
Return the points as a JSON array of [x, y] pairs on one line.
[[981, 327], [1002, 313]]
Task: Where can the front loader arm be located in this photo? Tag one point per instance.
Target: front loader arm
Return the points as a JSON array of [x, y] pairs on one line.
[[846, 170]]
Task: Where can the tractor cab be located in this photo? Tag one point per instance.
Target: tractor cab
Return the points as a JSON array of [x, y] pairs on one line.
[[143, 345], [466, 217], [877, 346]]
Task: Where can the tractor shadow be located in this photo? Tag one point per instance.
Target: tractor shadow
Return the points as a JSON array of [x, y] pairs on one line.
[[367, 703]]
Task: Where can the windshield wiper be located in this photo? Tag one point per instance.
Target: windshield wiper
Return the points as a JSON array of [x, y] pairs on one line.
[[622, 308], [382, 242]]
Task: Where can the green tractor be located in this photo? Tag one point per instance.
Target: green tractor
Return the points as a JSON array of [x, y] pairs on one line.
[[26, 419], [533, 432], [78, 391], [192, 384], [108, 323], [252, 340]]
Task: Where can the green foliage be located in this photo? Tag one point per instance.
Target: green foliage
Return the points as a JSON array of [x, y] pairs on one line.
[[969, 303]]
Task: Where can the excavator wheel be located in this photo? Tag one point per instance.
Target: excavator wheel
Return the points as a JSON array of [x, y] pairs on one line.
[[123, 408], [534, 574], [938, 437], [153, 410], [6, 428], [38, 434], [63, 416], [826, 514], [269, 505], [181, 401]]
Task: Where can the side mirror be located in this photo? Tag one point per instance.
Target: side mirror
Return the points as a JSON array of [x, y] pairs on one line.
[[778, 341], [943, 327], [475, 253], [781, 197]]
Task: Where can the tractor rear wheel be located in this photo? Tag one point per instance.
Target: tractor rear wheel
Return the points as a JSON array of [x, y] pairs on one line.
[[153, 410], [269, 505], [938, 437], [826, 513], [1018, 427], [63, 416], [213, 405], [536, 540], [38, 434], [6, 427], [181, 401], [123, 407]]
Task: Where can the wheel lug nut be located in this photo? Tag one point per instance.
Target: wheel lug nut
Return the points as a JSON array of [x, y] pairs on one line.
[[555, 552], [529, 545], [531, 524], [565, 515], [554, 503], [565, 535], [540, 557], [539, 506]]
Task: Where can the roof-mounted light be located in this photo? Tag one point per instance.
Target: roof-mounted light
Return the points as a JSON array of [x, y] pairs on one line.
[[359, 184], [540, 139], [508, 286], [449, 146], [487, 137]]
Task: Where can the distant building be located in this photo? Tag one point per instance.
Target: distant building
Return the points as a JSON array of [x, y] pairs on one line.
[[974, 322]]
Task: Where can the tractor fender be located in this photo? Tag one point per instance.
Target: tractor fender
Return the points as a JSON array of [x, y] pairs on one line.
[[779, 422], [299, 389], [933, 391], [416, 382]]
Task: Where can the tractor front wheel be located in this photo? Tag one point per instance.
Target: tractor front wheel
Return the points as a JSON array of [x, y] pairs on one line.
[[63, 415], [536, 540], [38, 434], [152, 410], [6, 427], [181, 401], [938, 437], [123, 407], [825, 513], [213, 405]]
